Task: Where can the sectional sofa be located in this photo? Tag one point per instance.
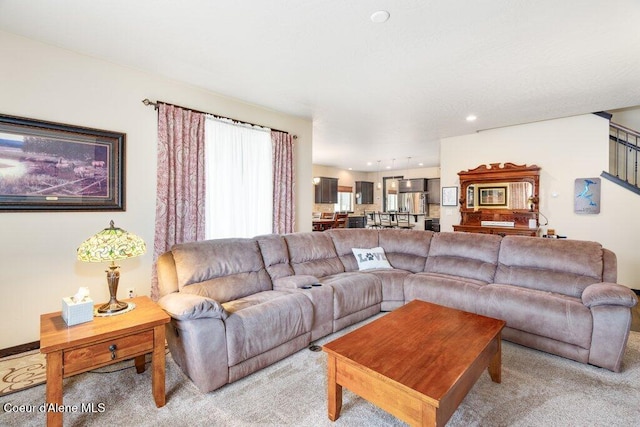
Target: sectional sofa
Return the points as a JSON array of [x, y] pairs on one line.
[[238, 305]]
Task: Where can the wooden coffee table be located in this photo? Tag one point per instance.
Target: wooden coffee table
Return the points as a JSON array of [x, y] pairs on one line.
[[417, 362], [71, 350]]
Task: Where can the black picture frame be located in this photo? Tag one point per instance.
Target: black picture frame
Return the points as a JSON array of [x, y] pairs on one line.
[[46, 166], [492, 196]]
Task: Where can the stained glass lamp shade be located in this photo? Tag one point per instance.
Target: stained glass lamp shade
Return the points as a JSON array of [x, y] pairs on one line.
[[109, 245]]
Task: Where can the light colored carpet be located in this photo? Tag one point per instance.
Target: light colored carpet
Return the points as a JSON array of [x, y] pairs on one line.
[[537, 389]]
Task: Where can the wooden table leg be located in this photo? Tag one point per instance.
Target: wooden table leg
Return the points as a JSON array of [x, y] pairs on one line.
[[334, 390], [495, 366], [54, 387], [158, 366], [429, 415], [139, 362]]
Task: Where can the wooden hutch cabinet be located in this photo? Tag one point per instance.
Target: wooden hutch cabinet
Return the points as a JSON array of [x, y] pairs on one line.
[[500, 200]]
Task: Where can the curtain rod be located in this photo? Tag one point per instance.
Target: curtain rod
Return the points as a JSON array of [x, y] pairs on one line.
[[147, 102]]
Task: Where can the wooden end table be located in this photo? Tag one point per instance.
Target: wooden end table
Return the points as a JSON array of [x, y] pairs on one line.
[[71, 350], [417, 362]]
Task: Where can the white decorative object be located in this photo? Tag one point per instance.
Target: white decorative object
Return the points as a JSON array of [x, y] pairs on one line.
[[78, 308], [497, 223], [371, 258], [81, 295]]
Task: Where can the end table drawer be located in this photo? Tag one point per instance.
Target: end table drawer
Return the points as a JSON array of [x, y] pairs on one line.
[[106, 352]]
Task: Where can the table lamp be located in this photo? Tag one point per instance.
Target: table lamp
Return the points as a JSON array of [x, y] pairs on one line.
[[111, 244]]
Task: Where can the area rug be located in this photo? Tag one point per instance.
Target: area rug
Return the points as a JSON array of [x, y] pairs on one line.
[[22, 371], [537, 389]]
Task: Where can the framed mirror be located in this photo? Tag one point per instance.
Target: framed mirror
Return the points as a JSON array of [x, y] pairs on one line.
[[500, 195]]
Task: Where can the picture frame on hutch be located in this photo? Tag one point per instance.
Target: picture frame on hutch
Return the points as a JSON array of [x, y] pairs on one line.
[[46, 166], [492, 196]]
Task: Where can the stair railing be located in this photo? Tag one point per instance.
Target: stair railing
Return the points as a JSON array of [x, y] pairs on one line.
[[624, 154]]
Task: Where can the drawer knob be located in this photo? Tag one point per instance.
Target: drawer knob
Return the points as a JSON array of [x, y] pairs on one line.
[[112, 349]]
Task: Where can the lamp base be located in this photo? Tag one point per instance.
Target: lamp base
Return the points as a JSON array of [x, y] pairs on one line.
[[112, 306]]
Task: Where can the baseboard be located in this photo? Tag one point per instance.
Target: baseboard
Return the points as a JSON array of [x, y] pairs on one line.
[[10, 351]]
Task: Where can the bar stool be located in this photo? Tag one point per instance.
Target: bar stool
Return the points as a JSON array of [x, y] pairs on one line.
[[385, 220], [403, 221], [371, 219]]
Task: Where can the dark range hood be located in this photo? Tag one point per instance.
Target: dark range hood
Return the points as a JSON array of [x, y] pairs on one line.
[[418, 185]]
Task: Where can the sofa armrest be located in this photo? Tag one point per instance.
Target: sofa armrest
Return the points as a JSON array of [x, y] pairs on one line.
[[183, 306], [608, 294], [294, 282]]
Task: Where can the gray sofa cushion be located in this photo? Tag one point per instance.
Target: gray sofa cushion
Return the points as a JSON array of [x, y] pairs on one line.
[[547, 314], [223, 269], [353, 292], [563, 266], [345, 239], [313, 254], [183, 306], [265, 320], [275, 255], [466, 255], [406, 249], [608, 294], [443, 289], [392, 283]]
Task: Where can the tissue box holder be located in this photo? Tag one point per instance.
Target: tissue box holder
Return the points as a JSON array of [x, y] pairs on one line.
[[77, 312]]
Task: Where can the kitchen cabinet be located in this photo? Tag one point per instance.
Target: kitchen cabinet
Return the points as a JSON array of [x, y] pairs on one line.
[[326, 191], [433, 187], [356, 222], [364, 193]]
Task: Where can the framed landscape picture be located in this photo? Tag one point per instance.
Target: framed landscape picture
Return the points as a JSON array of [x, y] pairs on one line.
[[48, 166], [492, 196]]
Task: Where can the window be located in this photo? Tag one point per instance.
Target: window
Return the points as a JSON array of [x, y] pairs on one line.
[[239, 180], [390, 193], [345, 202], [392, 202]]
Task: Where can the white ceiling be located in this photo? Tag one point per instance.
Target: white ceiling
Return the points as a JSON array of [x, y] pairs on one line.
[[374, 91]]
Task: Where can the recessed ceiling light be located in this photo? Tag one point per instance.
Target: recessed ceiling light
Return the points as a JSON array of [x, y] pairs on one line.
[[420, 164], [471, 118], [369, 163], [350, 169], [380, 16]]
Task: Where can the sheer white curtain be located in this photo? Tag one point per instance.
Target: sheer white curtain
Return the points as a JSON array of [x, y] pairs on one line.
[[239, 176]]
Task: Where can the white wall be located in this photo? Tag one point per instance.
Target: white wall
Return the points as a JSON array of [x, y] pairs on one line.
[[627, 117], [38, 263], [565, 149]]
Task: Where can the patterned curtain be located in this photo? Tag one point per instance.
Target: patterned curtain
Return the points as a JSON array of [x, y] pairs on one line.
[[284, 211], [181, 181]]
